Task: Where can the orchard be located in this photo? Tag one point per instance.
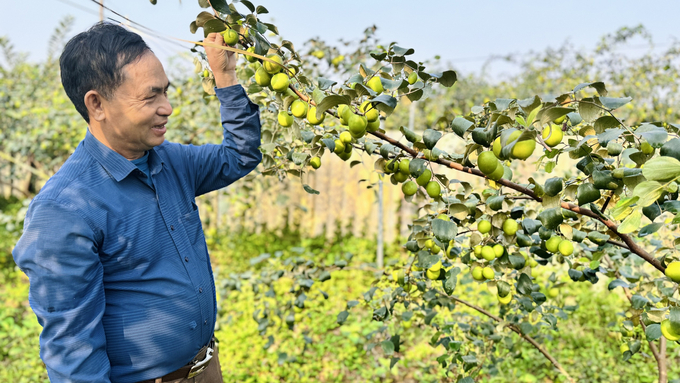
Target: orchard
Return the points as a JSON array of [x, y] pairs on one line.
[[542, 193]]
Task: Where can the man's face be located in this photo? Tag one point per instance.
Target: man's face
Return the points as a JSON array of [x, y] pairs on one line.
[[137, 112]]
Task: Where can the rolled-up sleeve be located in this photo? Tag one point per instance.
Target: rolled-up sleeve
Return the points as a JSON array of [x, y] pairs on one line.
[[58, 253], [216, 166]]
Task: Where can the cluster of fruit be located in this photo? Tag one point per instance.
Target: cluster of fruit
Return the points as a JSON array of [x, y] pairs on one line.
[[400, 171]]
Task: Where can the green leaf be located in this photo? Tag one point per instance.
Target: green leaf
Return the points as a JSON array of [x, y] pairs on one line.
[[553, 186], [650, 229], [410, 135], [549, 115], [495, 203], [632, 222], [661, 169], [597, 237], [330, 143], [598, 86], [655, 135], [324, 276], [342, 317], [399, 51], [460, 125], [450, 280], [551, 218], [617, 283], [674, 317], [393, 361], [325, 83], [653, 332], [612, 103], [260, 9], [608, 135], [587, 193], [605, 122], [524, 284], [213, 25], [446, 78], [671, 149], [387, 347], [220, 6], [330, 102], [385, 103], [647, 192], [444, 230], [430, 138], [417, 166], [589, 110]]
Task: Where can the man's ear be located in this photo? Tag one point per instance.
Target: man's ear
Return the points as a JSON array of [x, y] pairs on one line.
[[94, 104]]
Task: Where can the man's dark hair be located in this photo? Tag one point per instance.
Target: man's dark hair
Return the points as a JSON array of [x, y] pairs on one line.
[[94, 60]]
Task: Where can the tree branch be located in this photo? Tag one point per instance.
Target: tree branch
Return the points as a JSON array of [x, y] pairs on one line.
[[630, 244], [518, 331]]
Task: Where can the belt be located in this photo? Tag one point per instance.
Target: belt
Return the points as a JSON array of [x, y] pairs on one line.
[[197, 365]]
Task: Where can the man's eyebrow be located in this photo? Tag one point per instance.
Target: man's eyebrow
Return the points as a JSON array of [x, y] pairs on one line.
[[155, 89]]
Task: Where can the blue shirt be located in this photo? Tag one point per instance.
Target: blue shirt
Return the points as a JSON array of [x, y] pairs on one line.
[[142, 164], [120, 277]]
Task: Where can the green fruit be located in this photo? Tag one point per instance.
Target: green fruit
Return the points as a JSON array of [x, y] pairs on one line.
[[357, 125], [477, 250], [262, 78], [230, 37], [560, 120], [409, 188], [400, 177], [488, 273], [375, 84], [406, 324], [339, 147], [404, 165], [270, 67], [345, 137], [392, 166], [412, 78], [667, 331], [429, 244], [373, 126], [624, 347], [504, 300], [566, 247], [424, 178], [433, 189], [553, 244], [437, 266], [523, 149], [484, 226], [342, 109], [673, 271], [369, 111], [345, 156], [251, 58], [478, 273], [533, 262], [285, 119], [311, 116], [646, 148], [498, 250], [487, 162], [510, 227], [498, 173], [552, 135], [553, 292], [443, 217], [488, 253], [280, 82], [497, 143], [432, 274], [614, 148], [299, 108], [315, 162], [436, 249], [206, 73]]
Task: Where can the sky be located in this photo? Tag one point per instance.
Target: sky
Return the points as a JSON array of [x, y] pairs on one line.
[[463, 33]]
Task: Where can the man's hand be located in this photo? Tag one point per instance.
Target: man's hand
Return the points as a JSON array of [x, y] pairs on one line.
[[222, 62]]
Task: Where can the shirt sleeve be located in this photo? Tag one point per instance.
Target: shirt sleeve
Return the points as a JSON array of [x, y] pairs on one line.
[[216, 166], [58, 253]]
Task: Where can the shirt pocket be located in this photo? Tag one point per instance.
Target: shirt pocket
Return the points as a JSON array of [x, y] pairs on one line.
[[192, 225]]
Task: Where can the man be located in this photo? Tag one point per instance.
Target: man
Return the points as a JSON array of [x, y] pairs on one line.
[[120, 277]]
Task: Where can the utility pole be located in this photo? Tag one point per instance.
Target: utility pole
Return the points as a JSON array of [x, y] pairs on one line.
[[380, 253]]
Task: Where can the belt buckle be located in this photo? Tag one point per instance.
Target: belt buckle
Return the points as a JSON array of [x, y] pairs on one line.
[[202, 365]]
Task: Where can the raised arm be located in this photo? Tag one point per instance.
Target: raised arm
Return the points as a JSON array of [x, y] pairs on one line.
[[58, 253]]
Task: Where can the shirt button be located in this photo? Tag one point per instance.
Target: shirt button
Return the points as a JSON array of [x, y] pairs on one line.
[[186, 259], [205, 321], [200, 289], [172, 227]]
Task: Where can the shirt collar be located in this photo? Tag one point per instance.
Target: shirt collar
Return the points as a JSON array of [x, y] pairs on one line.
[[115, 164]]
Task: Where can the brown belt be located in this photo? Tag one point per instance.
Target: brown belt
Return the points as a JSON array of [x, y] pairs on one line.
[[197, 365]]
